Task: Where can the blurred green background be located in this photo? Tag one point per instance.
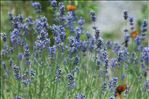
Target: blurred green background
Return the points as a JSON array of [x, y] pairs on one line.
[[25, 8]]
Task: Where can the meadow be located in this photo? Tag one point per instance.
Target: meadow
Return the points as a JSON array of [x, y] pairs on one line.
[[64, 60]]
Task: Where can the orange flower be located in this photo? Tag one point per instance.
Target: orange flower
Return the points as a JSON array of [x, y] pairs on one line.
[[118, 96], [120, 89], [71, 7], [134, 34]]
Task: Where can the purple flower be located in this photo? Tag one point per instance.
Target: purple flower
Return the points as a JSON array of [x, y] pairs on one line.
[[144, 26], [58, 73], [121, 57], [72, 50], [29, 20], [131, 20], [140, 48], [71, 17], [71, 41], [21, 18], [37, 6], [145, 55], [80, 96], [77, 59], [26, 28], [81, 21], [71, 81], [111, 87], [84, 46], [126, 37], [88, 35], [109, 44], [63, 36], [11, 50], [52, 50], [18, 97], [43, 34], [78, 34], [93, 16], [115, 81], [98, 62], [146, 84], [138, 40], [4, 65], [20, 56], [111, 97], [57, 39], [5, 49], [10, 15], [26, 52], [28, 62], [104, 87], [18, 76], [62, 9], [14, 36], [75, 70], [53, 3], [91, 44], [116, 47], [72, 85], [125, 15], [11, 63], [26, 80], [70, 77], [31, 73], [56, 29], [16, 69], [97, 32], [99, 43], [4, 37], [132, 58]]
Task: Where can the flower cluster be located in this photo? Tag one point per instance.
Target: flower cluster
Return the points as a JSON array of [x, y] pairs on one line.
[[63, 58]]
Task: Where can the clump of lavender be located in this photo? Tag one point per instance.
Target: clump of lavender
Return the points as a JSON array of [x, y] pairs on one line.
[[36, 53]]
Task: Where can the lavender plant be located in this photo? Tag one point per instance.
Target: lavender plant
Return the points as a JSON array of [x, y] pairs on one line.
[[71, 68]]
